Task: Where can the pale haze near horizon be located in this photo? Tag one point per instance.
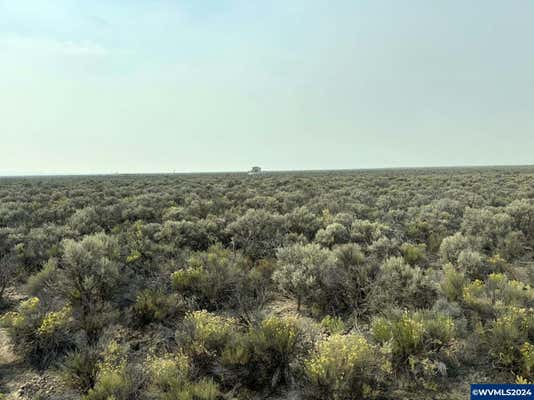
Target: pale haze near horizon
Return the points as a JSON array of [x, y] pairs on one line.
[[159, 86]]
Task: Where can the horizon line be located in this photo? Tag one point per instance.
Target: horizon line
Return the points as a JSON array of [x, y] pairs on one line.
[[89, 174]]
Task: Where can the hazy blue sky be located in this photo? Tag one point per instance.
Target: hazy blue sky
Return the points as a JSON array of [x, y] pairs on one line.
[[212, 85]]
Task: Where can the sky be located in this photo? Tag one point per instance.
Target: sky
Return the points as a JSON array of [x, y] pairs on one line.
[[134, 86]]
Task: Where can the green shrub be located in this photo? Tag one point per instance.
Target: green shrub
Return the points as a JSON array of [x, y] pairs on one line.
[[473, 296], [349, 283], [155, 306], [365, 232], [399, 284], [204, 336], [512, 245], [344, 367], [43, 281], [452, 246], [89, 280], [170, 372], [440, 329], [114, 384], [169, 378], [300, 272], [333, 234], [204, 389], [471, 263], [406, 334], [278, 334], [188, 279], [509, 337], [453, 283], [334, 325], [527, 353], [274, 346], [302, 221], [8, 273], [413, 254], [214, 279], [79, 369], [325, 280], [38, 336], [115, 378], [419, 334], [264, 355], [258, 233], [488, 297]]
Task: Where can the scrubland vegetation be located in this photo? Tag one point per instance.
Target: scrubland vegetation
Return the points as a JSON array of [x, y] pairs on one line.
[[324, 285]]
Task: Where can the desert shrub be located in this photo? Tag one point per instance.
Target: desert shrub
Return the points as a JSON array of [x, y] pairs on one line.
[[383, 248], [210, 332], [486, 226], [453, 283], [204, 336], [300, 272], [85, 221], [188, 279], [327, 281], [440, 329], [512, 246], [170, 372], [264, 356], [39, 244], [422, 344], [333, 325], [527, 354], [8, 274], [153, 305], [473, 296], [43, 284], [79, 369], [401, 284], [405, 333], [88, 278], [352, 280], [365, 232], [333, 234], [257, 287], [413, 254], [39, 336], [472, 264], [522, 212], [55, 329], [275, 345], [169, 379], [218, 278], [497, 291], [303, 222], [117, 384], [452, 246], [193, 234], [344, 367], [115, 377], [175, 213], [349, 255], [510, 337], [258, 233], [344, 218]]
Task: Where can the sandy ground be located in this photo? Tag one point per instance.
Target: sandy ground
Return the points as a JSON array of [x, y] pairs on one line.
[[11, 368], [13, 373]]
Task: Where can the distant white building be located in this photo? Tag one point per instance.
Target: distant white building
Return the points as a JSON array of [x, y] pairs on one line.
[[255, 171]]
